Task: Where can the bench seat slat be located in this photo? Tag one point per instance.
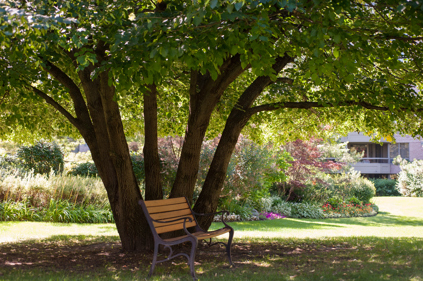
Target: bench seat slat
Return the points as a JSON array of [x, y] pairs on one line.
[[203, 235], [173, 227], [153, 203]]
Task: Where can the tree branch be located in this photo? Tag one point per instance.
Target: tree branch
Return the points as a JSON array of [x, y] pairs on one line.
[[57, 106], [285, 80], [80, 105]]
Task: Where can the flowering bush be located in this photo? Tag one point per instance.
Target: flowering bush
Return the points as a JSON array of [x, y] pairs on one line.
[[348, 210], [410, 179], [271, 216], [283, 208]]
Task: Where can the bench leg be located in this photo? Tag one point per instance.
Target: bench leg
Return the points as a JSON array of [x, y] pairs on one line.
[[192, 258], [156, 250], [228, 247]]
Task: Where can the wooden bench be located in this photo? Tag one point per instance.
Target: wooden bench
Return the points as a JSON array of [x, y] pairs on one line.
[[175, 214]]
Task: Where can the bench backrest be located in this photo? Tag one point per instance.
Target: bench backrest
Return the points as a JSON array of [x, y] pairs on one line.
[[166, 210]]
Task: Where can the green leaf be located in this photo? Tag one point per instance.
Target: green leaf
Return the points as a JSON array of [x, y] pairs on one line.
[[197, 20], [337, 38], [213, 3], [238, 6], [335, 53], [264, 38]]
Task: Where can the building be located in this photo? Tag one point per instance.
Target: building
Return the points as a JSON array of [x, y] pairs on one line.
[[377, 158]]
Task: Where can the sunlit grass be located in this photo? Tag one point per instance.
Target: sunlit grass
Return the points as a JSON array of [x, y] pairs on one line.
[[20, 231], [398, 217]]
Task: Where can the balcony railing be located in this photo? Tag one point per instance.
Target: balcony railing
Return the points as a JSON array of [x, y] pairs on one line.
[[374, 160]]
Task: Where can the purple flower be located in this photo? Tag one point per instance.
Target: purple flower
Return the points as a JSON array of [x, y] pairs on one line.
[[272, 216]]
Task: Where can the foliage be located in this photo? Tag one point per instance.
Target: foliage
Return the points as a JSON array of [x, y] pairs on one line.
[[38, 189], [271, 216], [386, 187], [87, 169], [348, 210], [42, 157], [335, 201], [306, 210], [308, 163], [138, 167], [216, 64], [410, 178], [353, 200], [8, 162], [364, 190], [56, 211], [339, 153], [55, 198], [169, 152], [252, 170], [350, 184]]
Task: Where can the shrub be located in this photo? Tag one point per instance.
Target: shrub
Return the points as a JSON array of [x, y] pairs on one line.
[[351, 184], [42, 157], [335, 201], [410, 178], [354, 200], [386, 187], [283, 208], [364, 190], [306, 210], [39, 189], [8, 162], [347, 210], [138, 167], [56, 211], [244, 212], [87, 169]]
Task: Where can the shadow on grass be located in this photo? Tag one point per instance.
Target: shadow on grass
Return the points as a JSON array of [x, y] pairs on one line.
[[82, 257]]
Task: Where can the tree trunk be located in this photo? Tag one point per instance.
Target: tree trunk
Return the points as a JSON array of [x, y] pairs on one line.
[[205, 93], [110, 153], [238, 118], [153, 186]]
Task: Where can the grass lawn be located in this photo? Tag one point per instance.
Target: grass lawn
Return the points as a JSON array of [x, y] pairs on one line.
[[388, 246]]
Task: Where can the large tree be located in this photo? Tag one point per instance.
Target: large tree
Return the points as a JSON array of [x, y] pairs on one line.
[[110, 68]]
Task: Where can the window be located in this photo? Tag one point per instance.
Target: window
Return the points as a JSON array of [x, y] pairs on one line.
[[402, 149]]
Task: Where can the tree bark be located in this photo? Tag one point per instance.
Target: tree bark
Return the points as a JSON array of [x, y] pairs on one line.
[[99, 122], [153, 186], [205, 93]]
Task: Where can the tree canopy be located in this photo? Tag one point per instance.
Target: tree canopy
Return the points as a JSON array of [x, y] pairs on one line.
[[280, 69]]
